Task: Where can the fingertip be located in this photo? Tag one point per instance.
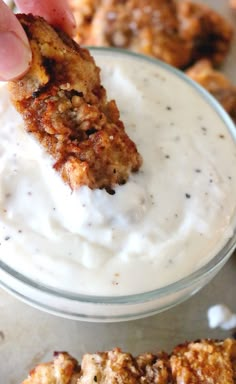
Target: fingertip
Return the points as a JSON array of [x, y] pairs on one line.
[[15, 56]]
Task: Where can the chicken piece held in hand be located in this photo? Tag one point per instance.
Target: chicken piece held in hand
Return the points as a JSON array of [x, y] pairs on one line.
[[64, 106]]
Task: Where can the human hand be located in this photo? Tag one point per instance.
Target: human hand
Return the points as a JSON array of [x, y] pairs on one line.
[[15, 53]]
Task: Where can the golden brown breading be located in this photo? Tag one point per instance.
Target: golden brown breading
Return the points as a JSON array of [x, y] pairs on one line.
[[216, 83], [84, 11], [146, 26], [204, 362], [209, 33], [175, 32], [64, 369], [64, 106], [199, 362]]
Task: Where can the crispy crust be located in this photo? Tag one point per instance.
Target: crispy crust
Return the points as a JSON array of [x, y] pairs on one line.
[[204, 362], [216, 83], [199, 362], [177, 32], [64, 106]]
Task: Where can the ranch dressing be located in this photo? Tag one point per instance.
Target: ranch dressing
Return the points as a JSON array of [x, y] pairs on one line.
[[168, 220]]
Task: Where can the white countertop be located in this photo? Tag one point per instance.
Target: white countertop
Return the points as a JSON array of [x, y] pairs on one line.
[[29, 336]]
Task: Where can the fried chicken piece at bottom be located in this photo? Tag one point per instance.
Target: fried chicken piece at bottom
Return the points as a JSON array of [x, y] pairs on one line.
[[64, 369], [209, 33], [204, 362], [64, 106], [200, 362], [216, 83], [146, 26]]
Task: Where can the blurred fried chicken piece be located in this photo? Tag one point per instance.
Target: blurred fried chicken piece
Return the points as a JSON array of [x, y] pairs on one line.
[[216, 83], [209, 33], [200, 362], [146, 26], [175, 32], [64, 106]]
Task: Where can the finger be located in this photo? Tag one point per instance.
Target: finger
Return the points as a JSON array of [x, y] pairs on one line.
[[56, 12], [15, 54]]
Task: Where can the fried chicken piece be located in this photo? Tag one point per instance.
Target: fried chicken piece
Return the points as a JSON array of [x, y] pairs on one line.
[[146, 26], [209, 33], [216, 83], [200, 362], [204, 362], [65, 107], [176, 32], [109, 368], [64, 369], [84, 11]]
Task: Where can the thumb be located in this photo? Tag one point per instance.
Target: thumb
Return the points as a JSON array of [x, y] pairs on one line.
[[15, 53]]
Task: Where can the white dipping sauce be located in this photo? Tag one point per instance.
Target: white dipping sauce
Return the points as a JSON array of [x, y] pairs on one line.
[[168, 220]]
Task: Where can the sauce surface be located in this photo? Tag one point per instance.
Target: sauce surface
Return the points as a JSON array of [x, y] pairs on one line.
[[168, 220]]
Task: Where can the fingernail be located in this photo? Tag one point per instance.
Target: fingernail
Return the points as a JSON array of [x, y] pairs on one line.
[[15, 56]]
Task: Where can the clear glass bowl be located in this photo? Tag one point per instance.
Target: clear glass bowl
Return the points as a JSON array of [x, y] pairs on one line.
[[119, 308]]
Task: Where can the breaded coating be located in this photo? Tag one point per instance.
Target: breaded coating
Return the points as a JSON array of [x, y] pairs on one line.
[[146, 26], [200, 362], [216, 83], [209, 33], [111, 367], [64, 369], [84, 11], [177, 32], [204, 362], [65, 107]]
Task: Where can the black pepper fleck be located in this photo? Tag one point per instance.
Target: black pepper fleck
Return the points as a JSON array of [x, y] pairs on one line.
[[187, 195], [229, 177], [167, 156], [197, 170], [7, 238], [210, 181], [111, 191], [168, 108], [221, 136], [19, 230]]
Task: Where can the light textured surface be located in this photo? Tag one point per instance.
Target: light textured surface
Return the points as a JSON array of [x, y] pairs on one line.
[[28, 336]]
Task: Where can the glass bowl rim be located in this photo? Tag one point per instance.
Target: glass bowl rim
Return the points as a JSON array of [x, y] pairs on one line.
[[178, 285]]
